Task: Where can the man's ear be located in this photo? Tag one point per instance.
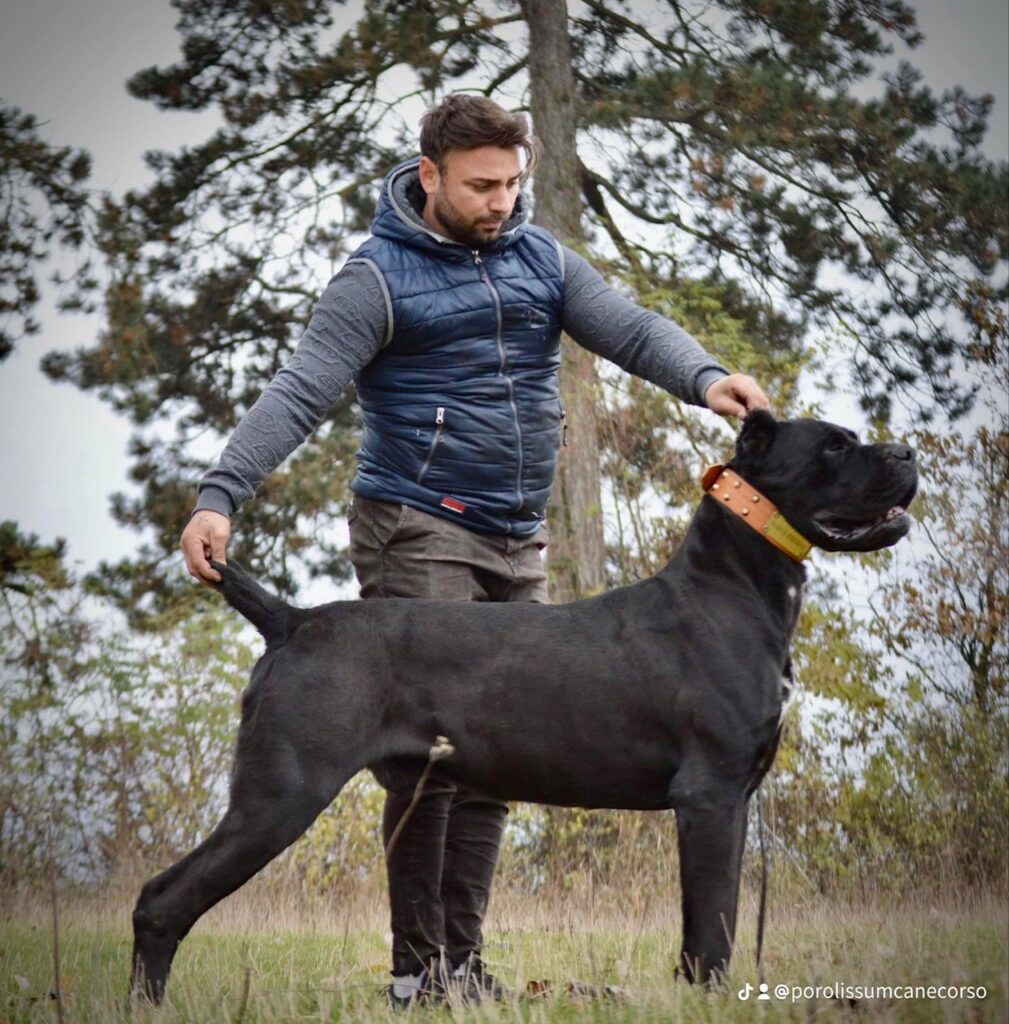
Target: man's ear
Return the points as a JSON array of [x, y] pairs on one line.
[[429, 176], [755, 438]]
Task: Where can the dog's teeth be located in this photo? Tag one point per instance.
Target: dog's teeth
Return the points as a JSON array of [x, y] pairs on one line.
[[894, 512]]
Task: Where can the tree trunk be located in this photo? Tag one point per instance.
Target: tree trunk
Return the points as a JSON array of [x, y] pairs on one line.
[[576, 554]]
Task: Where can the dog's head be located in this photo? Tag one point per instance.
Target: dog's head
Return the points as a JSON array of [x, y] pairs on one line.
[[839, 494]]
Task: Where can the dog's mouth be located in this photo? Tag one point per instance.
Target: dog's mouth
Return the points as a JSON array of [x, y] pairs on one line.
[[847, 532], [842, 528]]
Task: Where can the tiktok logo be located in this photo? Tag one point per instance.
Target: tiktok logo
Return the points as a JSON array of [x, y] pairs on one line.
[[747, 990]]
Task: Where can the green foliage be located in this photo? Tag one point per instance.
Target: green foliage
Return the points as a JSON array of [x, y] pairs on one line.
[[653, 448], [904, 773], [114, 747], [832, 662], [934, 799], [928, 799], [947, 615], [44, 199], [344, 846]]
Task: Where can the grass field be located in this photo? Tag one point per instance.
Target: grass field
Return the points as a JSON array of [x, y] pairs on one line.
[[259, 959]]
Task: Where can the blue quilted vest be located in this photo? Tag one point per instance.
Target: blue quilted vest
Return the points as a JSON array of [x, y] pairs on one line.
[[462, 415]]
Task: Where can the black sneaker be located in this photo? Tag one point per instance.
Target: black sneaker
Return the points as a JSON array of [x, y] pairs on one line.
[[428, 990], [471, 983]]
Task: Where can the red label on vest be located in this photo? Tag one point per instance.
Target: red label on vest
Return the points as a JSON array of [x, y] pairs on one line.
[[453, 505]]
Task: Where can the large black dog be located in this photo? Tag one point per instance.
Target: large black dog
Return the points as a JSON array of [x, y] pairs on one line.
[[663, 694]]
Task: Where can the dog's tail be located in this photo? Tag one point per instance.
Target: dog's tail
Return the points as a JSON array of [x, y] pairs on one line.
[[274, 618]]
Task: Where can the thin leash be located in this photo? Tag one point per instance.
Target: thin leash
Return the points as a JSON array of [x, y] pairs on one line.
[[789, 684], [762, 912]]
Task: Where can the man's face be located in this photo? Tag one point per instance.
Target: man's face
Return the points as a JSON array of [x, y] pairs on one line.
[[472, 197]]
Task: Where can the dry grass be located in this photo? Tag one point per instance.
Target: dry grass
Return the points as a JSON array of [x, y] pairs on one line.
[[326, 960]]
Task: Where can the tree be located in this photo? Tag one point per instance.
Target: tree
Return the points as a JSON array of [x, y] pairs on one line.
[[730, 148], [44, 201], [576, 555], [743, 133]]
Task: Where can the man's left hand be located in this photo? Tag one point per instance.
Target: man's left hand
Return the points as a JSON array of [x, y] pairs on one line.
[[735, 395]]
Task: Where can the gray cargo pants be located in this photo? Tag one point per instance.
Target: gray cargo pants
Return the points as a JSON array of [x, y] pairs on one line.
[[441, 868]]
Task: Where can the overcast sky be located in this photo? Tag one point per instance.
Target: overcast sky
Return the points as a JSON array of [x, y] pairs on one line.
[[62, 452]]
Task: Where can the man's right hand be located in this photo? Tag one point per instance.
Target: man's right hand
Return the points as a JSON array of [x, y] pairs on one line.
[[204, 538]]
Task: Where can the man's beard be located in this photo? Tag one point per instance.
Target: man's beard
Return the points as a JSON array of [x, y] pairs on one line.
[[462, 230]]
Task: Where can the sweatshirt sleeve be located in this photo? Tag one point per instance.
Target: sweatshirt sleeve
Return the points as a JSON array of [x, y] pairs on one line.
[[350, 324], [639, 341]]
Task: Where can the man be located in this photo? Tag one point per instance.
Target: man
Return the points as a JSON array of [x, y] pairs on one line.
[[448, 319]]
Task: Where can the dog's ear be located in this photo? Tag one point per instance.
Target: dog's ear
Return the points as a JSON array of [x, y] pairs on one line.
[[755, 438]]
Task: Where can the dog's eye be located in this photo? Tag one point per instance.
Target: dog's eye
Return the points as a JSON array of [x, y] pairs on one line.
[[836, 444]]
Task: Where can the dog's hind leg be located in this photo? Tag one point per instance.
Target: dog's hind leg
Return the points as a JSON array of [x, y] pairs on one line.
[[711, 834], [272, 803]]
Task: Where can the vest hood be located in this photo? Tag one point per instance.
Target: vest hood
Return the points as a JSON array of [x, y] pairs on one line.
[[398, 217]]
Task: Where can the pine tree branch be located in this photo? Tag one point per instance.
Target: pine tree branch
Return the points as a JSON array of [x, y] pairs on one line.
[[717, 242], [606, 13], [594, 197], [506, 75]]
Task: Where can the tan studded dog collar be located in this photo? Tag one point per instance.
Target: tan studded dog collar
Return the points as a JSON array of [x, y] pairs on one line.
[[729, 489]]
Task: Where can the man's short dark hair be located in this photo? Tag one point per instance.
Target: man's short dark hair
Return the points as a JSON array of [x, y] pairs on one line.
[[464, 121]]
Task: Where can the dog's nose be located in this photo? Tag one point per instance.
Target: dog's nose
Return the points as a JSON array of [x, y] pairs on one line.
[[904, 452]]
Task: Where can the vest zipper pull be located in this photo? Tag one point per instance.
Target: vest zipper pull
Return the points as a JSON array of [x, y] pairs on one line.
[[439, 416]]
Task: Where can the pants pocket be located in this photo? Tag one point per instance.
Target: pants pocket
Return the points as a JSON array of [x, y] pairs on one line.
[[375, 523]]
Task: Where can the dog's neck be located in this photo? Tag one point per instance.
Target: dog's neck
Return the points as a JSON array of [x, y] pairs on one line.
[[721, 545]]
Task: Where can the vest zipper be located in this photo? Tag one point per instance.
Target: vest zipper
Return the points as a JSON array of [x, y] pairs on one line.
[[485, 277], [439, 419]]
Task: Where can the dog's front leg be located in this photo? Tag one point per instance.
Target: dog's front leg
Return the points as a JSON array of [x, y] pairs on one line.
[[711, 833]]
